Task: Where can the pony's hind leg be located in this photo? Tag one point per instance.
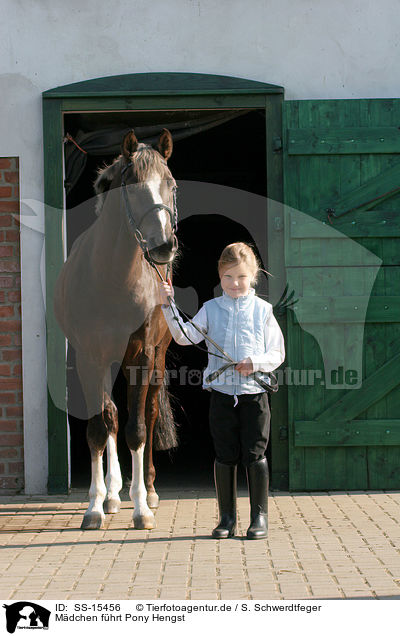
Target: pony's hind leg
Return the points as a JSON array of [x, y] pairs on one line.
[[143, 518], [149, 470], [112, 502], [152, 412], [135, 433]]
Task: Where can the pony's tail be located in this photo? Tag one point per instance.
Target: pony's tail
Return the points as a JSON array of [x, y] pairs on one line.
[[165, 434]]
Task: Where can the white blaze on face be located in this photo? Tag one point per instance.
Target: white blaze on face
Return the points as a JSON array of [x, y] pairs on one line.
[[154, 187]]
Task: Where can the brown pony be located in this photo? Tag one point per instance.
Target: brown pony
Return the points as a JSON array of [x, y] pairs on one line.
[[107, 303]]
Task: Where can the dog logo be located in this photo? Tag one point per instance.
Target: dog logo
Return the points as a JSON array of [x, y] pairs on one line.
[[26, 615]]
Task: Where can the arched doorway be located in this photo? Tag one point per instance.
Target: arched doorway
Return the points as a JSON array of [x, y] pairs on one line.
[[240, 155]]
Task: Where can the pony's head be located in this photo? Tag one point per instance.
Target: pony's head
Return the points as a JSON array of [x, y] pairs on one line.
[[147, 194]]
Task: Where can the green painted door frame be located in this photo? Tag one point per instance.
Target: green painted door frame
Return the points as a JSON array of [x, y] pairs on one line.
[[150, 91]]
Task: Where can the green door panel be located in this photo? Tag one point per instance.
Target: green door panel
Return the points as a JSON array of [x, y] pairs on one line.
[[342, 256], [342, 141]]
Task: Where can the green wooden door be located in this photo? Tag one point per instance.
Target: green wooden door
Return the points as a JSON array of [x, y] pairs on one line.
[[342, 254]]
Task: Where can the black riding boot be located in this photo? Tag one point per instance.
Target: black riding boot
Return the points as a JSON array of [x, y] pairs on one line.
[[258, 481], [225, 485]]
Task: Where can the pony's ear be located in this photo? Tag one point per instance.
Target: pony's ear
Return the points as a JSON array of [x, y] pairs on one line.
[[129, 145], [165, 144]]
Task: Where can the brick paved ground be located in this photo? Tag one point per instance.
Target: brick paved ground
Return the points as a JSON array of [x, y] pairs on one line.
[[320, 545]]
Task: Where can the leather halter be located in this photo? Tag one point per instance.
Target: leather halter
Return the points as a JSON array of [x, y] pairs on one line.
[[173, 215]]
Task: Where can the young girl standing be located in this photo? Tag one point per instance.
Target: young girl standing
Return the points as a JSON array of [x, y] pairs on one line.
[[244, 326]]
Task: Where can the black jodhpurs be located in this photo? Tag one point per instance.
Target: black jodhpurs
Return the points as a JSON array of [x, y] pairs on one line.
[[239, 433]]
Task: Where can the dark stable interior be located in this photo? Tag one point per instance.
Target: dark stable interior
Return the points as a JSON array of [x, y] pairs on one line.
[[231, 154]]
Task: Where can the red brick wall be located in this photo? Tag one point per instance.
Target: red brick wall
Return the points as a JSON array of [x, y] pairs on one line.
[[11, 421]]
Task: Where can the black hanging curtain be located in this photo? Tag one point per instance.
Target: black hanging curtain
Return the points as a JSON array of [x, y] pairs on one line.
[[107, 141]]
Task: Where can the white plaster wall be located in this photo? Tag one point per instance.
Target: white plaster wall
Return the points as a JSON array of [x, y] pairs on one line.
[[314, 48]]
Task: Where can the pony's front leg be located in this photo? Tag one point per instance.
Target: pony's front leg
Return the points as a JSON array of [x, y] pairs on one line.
[[92, 379], [97, 437], [112, 502]]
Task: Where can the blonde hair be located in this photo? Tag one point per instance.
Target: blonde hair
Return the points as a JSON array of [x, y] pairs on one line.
[[237, 253]]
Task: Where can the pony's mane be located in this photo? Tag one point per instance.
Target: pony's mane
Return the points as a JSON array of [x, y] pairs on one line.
[[145, 162]]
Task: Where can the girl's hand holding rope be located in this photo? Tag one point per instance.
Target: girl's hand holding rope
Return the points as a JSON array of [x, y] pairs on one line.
[[166, 290], [245, 366]]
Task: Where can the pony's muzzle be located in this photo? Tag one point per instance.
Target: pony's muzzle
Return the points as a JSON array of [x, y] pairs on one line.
[[162, 254]]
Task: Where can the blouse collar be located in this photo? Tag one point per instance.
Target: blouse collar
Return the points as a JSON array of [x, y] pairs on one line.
[[241, 301]]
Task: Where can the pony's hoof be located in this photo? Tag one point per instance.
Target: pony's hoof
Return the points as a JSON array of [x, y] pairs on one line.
[[111, 506], [144, 522], [92, 521], [153, 500]]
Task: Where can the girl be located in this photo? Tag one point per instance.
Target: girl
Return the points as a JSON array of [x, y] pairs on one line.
[[244, 326]]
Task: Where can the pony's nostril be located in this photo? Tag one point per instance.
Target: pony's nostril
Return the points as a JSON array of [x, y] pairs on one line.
[[163, 253], [172, 243]]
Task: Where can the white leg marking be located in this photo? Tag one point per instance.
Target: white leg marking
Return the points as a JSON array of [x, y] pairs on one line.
[[113, 477], [97, 493], [143, 518]]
